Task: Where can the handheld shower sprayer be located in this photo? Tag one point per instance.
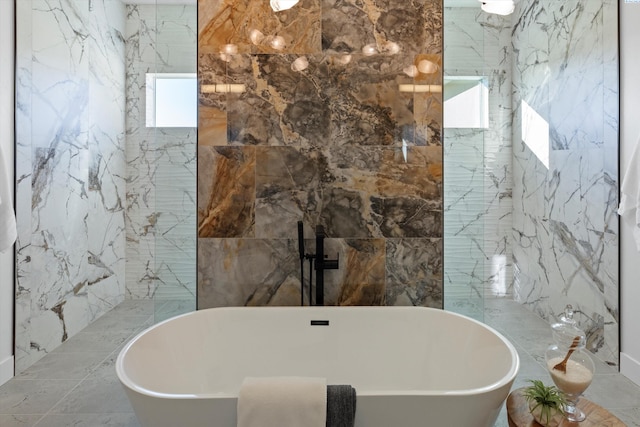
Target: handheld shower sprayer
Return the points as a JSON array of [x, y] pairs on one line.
[[301, 240], [301, 250]]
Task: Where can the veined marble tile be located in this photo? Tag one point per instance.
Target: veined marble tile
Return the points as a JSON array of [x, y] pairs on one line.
[[400, 196], [414, 272], [366, 104], [349, 190], [280, 105], [62, 27], [578, 28], [360, 279], [241, 272], [336, 143], [565, 243], [161, 162], [412, 27], [212, 126], [226, 200], [253, 27], [238, 272], [478, 171], [71, 180], [428, 106]]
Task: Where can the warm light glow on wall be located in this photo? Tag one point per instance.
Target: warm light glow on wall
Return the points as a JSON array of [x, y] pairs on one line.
[[279, 5], [420, 88], [222, 88]]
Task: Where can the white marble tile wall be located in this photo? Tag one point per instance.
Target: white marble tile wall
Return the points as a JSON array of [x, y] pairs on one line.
[[161, 162], [477, 167], [565, 179], [70, 169]]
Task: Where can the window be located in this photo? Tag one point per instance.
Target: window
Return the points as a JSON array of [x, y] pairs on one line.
[[172, 100], [466, 102]]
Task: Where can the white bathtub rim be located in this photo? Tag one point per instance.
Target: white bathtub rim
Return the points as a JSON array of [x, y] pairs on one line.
[[507, 380]]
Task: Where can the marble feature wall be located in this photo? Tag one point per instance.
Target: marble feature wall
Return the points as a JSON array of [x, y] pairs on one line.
[[161, 162], [478, 175], [565, 195], [70, 169], [317, 128]]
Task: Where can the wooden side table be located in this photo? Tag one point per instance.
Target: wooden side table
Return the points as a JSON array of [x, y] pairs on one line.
[[597, 416]]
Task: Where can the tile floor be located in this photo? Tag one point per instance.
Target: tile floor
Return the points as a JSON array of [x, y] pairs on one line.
[[76, 385]]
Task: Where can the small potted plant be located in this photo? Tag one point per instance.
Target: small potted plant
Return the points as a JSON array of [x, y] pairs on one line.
[[546, 403]]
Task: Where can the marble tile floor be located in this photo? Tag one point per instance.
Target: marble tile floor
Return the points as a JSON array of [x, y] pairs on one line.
[[76, 384]]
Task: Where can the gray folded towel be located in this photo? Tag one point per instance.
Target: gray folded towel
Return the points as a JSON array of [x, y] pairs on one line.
[[341, 406]]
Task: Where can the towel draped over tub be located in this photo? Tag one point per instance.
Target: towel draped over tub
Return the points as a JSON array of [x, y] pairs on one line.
[[295, 402]]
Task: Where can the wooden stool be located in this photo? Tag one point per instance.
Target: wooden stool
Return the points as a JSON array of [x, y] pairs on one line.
[[597, 416]]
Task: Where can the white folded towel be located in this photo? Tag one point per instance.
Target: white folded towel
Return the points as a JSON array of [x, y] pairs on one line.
[[629, 208], [8, 230], [282, 402]]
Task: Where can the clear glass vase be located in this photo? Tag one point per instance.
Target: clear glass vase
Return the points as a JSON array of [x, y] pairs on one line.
[[575, 380]]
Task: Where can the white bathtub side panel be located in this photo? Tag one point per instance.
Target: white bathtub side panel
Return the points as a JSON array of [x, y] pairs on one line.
[[371, 411], [228, 345], [438, 411], [156, 412]]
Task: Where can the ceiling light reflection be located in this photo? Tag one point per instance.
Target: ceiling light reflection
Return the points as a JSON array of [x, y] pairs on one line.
[[410, 71], [256, 36], [277, 43], [229, 49], [279, 5], [300, 64], [390, 48], [370, 49], [343, 59], [427, 67]]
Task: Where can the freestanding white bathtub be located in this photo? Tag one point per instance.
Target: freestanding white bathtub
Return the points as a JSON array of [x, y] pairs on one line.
[[410, 366]]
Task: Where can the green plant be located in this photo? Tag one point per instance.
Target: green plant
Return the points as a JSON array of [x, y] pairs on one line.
[[548, 400]]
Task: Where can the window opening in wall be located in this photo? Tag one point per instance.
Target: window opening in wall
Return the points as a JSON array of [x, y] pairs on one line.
[[172, 100], [466, 102]]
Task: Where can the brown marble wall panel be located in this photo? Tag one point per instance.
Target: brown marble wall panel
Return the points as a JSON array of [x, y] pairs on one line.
[[428, 106], [383, 192], [366, 105], [212, 126], [414, 272], [247, 272], [407, 217], [226, 191], [352, 191], [267, 272], [413, 26], [288, 189], [325, 132], [363, 264], [360, 280], [253, 27]]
